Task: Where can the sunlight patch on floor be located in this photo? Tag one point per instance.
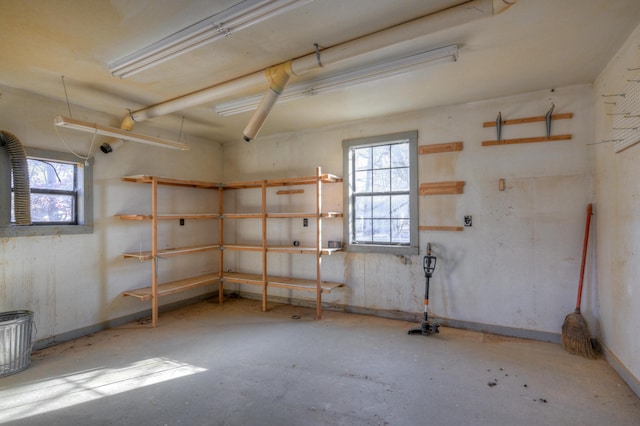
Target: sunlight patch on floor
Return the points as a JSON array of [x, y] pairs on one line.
[[64, 391]]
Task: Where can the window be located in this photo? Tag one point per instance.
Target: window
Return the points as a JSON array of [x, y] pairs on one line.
[[54, 192], [381, 193], [61, 195]]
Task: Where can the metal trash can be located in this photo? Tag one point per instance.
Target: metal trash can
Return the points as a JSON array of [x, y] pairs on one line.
[[16, 341]]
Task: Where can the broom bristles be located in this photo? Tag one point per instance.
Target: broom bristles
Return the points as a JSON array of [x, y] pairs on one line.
[[576, 338]]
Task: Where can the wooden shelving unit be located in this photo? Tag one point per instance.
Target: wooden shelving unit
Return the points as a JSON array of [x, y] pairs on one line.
[[264, 280], [158, 289]]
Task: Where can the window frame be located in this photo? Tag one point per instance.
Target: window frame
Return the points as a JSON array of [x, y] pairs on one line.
[[84, 206], [348, 146]]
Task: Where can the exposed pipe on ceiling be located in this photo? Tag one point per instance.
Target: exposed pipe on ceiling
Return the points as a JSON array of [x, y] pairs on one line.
[[428, 24]]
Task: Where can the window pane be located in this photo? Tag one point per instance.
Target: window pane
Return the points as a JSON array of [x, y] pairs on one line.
[[381, 156], [381, 180], [363, 207], [362, 229], [51, 175], [363, 182], [400, 179], [381, 231], [400, 206], [363, 158], [52, 208], [381, 206], [400, 231], [400, 155]]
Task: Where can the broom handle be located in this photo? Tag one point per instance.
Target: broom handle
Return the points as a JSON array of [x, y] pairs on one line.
[[584, 256]]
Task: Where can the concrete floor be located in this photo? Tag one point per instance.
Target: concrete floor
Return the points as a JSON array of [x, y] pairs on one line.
[[231, 364]]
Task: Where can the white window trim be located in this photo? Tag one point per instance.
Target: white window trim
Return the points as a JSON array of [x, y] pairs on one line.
[[85, 198], [347, 145]]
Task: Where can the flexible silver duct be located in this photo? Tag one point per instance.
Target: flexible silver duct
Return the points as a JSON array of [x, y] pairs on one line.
[[22, 192]]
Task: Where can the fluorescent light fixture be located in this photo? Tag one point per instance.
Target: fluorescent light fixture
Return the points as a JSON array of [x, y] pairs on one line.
[[220, 25], [347, 79], [113, 132]]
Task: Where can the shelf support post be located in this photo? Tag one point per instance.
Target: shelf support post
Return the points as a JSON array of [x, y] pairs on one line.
[[318, 242], [154, 251]]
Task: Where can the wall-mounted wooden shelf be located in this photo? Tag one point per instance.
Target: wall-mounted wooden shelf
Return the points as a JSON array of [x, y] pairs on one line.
[[441, 228], [441, 188], [528, 120], [527, 140], [441, 147]]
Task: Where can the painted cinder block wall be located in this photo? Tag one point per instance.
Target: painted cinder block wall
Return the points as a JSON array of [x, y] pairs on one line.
[[617, 220], [515, 270], [73, 282]]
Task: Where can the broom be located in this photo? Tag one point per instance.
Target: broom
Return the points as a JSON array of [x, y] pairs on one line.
[[576, 338]]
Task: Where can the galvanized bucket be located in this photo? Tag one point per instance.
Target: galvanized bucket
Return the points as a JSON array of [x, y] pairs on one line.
[[16, 341]]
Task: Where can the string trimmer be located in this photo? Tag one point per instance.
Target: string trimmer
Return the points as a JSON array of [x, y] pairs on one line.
[[429, 266]]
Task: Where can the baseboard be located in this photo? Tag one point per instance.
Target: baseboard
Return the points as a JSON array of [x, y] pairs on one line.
[[543, 336], [623, 372], [115, 322]]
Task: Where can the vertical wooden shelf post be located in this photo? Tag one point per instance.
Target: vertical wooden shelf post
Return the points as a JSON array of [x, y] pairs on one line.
[[318, 242], [221, 244], [154, 251], [264, 246]]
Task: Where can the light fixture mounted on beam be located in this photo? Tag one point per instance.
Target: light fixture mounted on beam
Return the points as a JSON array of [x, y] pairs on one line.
[[339, 81], [216, 27], [113, 132]]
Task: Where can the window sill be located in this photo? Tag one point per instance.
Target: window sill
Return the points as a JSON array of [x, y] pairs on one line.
[[382, 249], [44, 230]]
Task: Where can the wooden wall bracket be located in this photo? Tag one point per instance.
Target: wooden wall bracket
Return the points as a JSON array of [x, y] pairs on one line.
[[441, 188], [440, 147]]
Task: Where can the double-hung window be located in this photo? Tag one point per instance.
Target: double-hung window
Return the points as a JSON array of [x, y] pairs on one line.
[[381, 193]]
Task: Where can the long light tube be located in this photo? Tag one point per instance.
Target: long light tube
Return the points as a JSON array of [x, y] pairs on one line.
[[218, 26], [347, 79], [113, 132]]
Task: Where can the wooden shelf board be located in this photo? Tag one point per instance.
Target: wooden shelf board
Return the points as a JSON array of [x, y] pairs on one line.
[[528, 120], [302, 215], [172, 216], [439, 148], [290, 191], [527, 140], [170, 181], [301, 250], [281, 282], [172, 287], [440, 228], [441, 188], [242, 215], [242, 247], [305, 180], [146, 255]]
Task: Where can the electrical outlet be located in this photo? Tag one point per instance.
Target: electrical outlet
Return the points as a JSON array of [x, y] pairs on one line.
[[181, 222], [467, 220], [305, 222]]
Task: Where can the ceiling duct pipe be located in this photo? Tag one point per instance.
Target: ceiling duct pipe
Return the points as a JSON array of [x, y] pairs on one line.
[[278, 77], [419, 27], [21, 190]]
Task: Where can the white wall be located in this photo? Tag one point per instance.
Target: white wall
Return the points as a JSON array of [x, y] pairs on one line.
[[618, 219], [517, 266], [74, 281]]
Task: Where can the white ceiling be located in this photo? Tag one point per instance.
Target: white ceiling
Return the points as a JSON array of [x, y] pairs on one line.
[[534, 45]]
